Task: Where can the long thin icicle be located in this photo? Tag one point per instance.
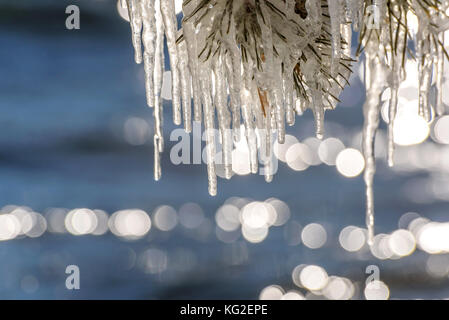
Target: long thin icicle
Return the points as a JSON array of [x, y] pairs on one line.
[[149, 35], [135, 17], [186, 86], [158, 110], [440, 77], [192, 50], [371, 110], [209, 115], [336, 14], [396, 77], [224, 116], [171, 27]]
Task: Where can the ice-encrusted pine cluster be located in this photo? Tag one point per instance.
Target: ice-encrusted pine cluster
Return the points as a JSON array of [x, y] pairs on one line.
[[388, 43], [259, 63], [251, 62]]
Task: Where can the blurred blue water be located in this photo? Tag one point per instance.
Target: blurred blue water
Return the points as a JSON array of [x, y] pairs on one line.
[[64, 97]]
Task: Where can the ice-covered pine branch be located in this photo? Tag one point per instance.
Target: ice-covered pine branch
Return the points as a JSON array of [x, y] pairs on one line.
[[259, 63]]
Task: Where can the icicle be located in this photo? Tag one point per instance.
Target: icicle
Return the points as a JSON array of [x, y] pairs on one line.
[[318, 112], [233, 71], [439, 77], [136, 28], [425, 79], [158, 110], [347, 36], [263, 17], [186, 86], [423, 47], [391, 116], [149, 35], [316, 96], [336, 13], [224, 116], [209, 116], [171, 27], [189, 34], [268, 168], [251, 138], [396, 77], [279, 102], [288, 97], [371, 110]]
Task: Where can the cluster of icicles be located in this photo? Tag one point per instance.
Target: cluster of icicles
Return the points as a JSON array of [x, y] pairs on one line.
[[261, 62]]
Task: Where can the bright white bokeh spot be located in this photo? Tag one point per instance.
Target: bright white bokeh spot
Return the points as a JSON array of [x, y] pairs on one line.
[[381, 247], [258, 215], [329, 150], [165, 218], [9, 227], [102, 222], [313, 143], [240, 162], [352, 238], [350, 163], [227, 217], [433, 237], [313, 277], [314, 236], [272, 292], [402, 242], [34, 225], [441, 130], [409, 129], [254, 235], [131, 224], [280, 150], [282, 211], [293, 295], [376, 290], [338, 289], [298, 156], [81, 221]]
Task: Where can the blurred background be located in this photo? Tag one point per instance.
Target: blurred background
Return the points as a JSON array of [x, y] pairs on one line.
[[77, 188]]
